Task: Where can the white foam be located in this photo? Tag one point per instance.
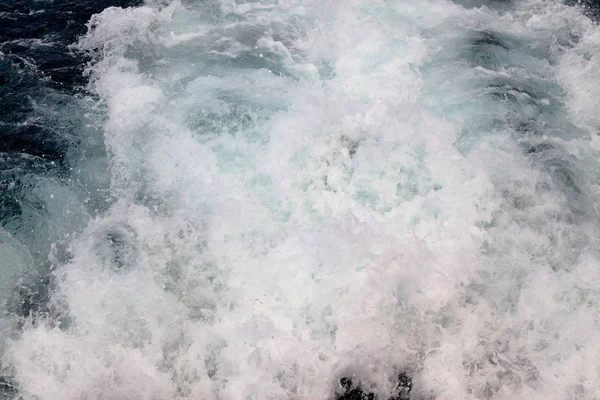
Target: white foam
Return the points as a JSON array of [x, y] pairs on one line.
[[287, 219]]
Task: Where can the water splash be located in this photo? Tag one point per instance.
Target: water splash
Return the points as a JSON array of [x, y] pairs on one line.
[[309, 190]]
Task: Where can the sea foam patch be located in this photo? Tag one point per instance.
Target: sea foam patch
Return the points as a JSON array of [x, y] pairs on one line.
[[336, 200]]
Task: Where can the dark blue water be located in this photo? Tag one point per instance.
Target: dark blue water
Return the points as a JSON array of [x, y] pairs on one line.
[[39, 69], [42, 127]]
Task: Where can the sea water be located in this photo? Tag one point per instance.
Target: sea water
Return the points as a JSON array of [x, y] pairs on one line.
[[262, 197]]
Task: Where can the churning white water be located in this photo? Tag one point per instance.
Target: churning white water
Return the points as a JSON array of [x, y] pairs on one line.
[[308, 189]]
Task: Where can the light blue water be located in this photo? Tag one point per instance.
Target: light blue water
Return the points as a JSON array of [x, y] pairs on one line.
[[301, 190]]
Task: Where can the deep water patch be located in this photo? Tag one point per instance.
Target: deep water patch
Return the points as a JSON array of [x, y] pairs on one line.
[[352, 391]]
